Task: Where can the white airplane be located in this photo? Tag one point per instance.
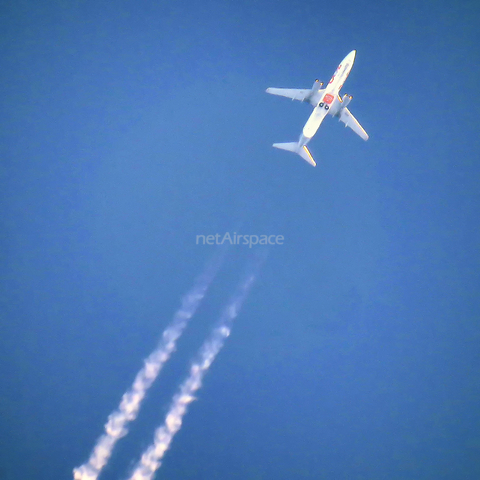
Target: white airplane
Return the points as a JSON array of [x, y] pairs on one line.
[[325, 100]]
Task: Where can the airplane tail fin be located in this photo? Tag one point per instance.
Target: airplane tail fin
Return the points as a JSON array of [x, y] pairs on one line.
[[294, 147]]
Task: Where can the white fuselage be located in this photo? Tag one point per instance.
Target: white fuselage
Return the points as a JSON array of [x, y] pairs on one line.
[[325, 98]]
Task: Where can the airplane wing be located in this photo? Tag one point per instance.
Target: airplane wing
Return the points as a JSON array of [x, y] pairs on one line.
[[293, 93], [350, 121]]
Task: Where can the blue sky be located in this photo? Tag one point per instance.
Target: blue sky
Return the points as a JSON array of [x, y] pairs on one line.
[[129, 128]]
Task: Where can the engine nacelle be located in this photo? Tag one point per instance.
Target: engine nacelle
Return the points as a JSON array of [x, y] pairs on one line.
[[346, 100], [317, 85]]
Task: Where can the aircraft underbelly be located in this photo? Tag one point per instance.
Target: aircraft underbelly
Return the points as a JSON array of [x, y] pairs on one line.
[[314, 121]]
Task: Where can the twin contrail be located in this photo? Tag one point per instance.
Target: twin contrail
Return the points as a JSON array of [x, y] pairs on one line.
[[116, 426], [151, 458]]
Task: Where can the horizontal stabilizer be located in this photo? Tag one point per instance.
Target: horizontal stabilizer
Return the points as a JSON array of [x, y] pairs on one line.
[[294, 147], [291, 147]]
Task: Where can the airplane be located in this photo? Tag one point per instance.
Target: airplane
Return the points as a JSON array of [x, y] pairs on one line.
[[325, 101]]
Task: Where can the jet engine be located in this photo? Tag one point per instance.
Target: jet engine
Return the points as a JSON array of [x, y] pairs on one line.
[[346, 100]]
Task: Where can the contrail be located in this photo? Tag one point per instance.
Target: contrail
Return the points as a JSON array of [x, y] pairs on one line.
[[115, 428], [151, 458]]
